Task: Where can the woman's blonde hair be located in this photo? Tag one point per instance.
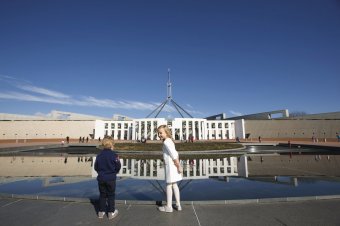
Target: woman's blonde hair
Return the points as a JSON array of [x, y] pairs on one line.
[[108, 143], [166, 130]]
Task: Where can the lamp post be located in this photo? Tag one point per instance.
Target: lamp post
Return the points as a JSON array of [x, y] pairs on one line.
[[16, 138]]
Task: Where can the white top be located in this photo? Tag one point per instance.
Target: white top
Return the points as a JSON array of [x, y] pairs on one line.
[[169, 155]]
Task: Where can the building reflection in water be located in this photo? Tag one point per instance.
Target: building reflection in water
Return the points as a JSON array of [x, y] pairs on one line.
[[153, 169], [204, 178]]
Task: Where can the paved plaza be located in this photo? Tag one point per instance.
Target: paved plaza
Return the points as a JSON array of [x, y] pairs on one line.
[[42, 212]]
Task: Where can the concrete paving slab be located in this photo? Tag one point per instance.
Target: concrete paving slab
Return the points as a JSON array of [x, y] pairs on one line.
[[145, 215], [277, 213], [72, 213], [27, 212], [6, 202]]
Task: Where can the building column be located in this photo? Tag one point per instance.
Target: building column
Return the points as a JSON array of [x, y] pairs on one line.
[[152, 128], [195, 167], [200, 137], [233, 164], [133, 130], [145, 129], [145, 169], [187, 170], [180, 131], [139, 130], [187, 130], [129, 129], [151, 167], [138, 168], [173, 131], [132, 171]]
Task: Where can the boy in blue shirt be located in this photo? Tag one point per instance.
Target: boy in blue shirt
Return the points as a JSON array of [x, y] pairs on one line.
[[107, 165]]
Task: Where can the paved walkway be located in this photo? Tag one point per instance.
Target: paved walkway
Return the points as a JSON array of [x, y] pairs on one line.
[[40, 212]]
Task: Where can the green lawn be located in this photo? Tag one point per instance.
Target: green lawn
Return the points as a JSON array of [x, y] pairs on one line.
[[198, 146]]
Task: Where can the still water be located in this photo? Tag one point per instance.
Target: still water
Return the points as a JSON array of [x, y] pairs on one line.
[[222, 178]]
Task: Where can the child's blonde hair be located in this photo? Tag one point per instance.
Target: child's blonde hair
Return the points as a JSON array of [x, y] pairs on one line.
[[108, 143], [166, 130]]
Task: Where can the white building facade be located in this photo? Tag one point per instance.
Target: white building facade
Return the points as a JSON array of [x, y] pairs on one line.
[[182, 129]]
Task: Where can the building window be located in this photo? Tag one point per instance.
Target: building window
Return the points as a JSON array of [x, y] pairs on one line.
[[226, 125], [213, 125], [106, 125], [119, 125], [112, 125], [169, 124], [126, 126], [220, 125]]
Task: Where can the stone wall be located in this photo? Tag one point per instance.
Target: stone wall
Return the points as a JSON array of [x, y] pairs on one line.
[[45, 129], [292, 128]]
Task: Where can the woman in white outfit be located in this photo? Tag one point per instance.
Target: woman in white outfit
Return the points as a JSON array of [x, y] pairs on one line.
[[172, 169]]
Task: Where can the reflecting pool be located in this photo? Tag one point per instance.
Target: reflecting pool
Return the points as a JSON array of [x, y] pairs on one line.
[[281, 173], [215, 188]]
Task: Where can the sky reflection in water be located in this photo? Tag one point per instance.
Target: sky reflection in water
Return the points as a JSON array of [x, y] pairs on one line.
[[220, 188]]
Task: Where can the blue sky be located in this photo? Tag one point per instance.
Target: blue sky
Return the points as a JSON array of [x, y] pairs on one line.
[[111, 57]]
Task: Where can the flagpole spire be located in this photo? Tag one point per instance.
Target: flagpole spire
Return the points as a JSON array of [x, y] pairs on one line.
[[169, 101], [169, 86]]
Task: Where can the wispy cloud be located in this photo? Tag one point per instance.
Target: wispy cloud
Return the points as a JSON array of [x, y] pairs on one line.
[[42, 91], [191, 110], [28, 97], [25, 91], [235, 113], [92, 101]]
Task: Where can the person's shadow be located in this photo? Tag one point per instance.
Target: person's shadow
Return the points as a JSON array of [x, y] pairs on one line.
[[95, 204]]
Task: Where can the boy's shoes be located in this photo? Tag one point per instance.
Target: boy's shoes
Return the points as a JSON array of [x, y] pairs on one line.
[[165, 209], [101, 214], [112, 214]]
